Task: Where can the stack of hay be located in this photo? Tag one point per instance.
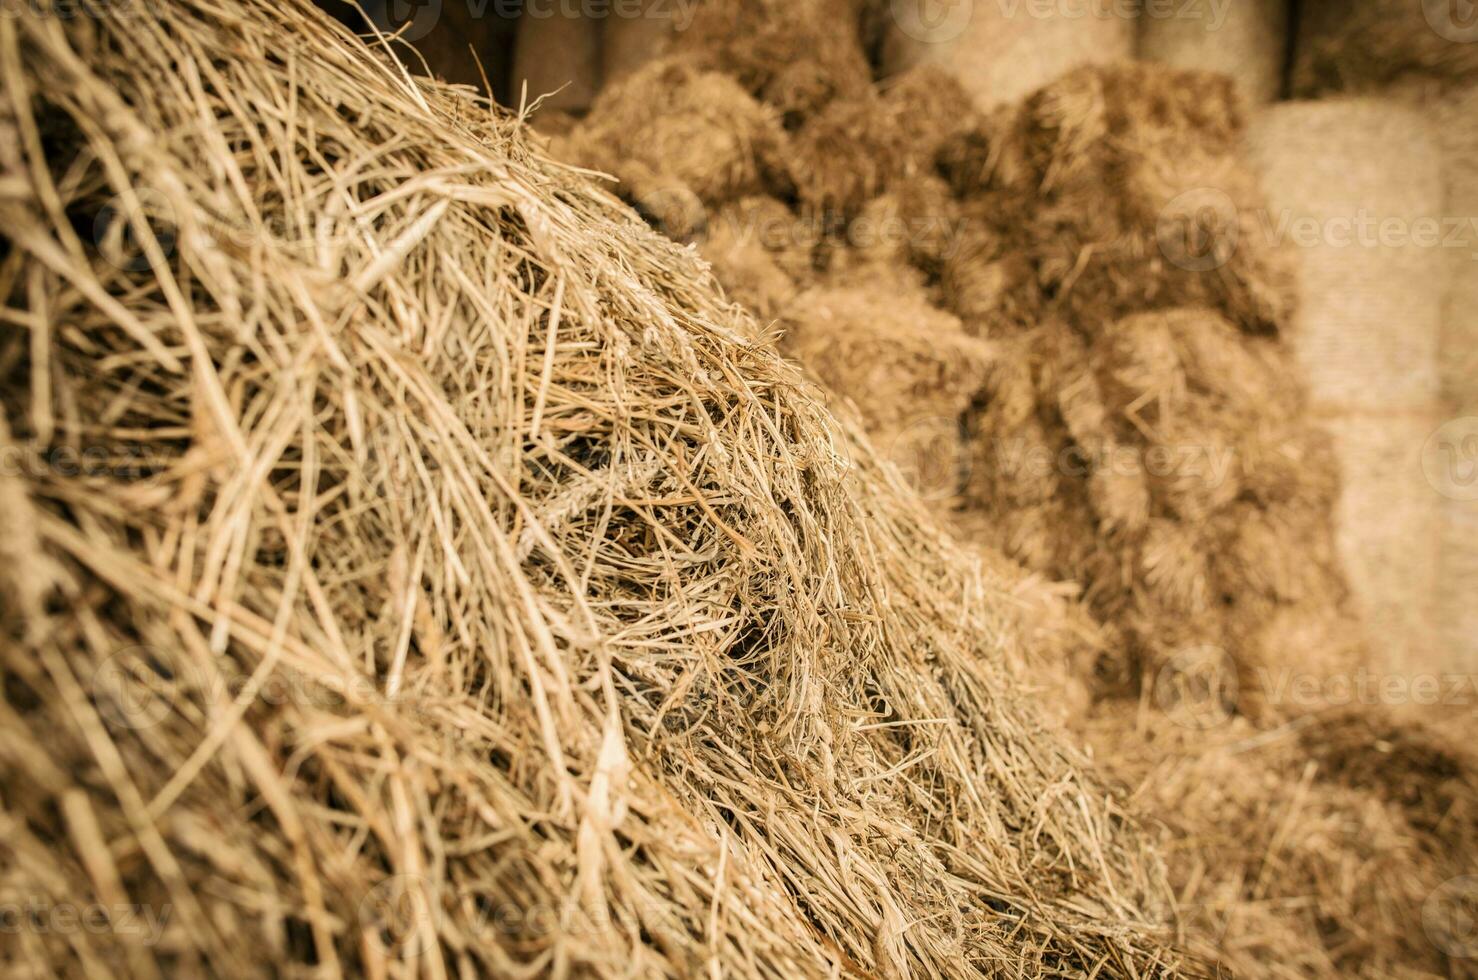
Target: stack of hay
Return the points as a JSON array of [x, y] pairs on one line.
[[1425, 56], [1086, 293], [412, 567]]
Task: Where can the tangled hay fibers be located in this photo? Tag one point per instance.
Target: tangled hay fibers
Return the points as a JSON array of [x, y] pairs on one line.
[[1313, 850], [1247, 41], [1347, 177], [1003, 52], [448, 586], [1292, 872]]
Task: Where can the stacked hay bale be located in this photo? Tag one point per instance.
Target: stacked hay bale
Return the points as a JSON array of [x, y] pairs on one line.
[[1353, 181], [1141, 432], [1425, 56], [1001, 52], [1247, 41], [451, 584], [1084, 281]]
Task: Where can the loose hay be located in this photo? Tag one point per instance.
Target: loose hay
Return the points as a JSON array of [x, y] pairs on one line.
[[1309, 851], [590, 654]]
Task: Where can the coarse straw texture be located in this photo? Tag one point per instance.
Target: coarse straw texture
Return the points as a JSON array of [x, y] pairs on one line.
[[450, 586], [1142, 415]]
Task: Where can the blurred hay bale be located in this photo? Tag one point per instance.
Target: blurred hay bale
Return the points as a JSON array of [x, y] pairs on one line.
[[1247, 41], [1125, 186], [1140, 430], [674, 122], [857, 147], [1001, 53], [794, 56], [1360, 45], [1309, 851], [1354, 181], [760, 253], [454, 585], [633, 35], [557, 55]]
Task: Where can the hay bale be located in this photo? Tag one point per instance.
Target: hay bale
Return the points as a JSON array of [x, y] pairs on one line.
[[634, 35], [557, 56], [1309, 854], [1161, 464], [1182, 225], [909, 368], [855, 148], [760, 254], [1355, 180], [1247, 41], [698, 128], [454, 586], [794, 55], [1001, 53], [1363, 45]]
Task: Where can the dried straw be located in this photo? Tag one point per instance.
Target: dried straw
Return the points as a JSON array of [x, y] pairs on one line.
[[483, 601]]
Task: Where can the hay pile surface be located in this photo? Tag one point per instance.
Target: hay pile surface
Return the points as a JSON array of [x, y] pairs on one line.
[[451, 584], [1138, 428]]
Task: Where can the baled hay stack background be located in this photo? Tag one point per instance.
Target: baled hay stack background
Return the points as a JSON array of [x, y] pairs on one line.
[[1246, 40], [1426, 56], [1001, 52], [1084, 253], [1351, 180], [586, 651], [1141, 433]]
